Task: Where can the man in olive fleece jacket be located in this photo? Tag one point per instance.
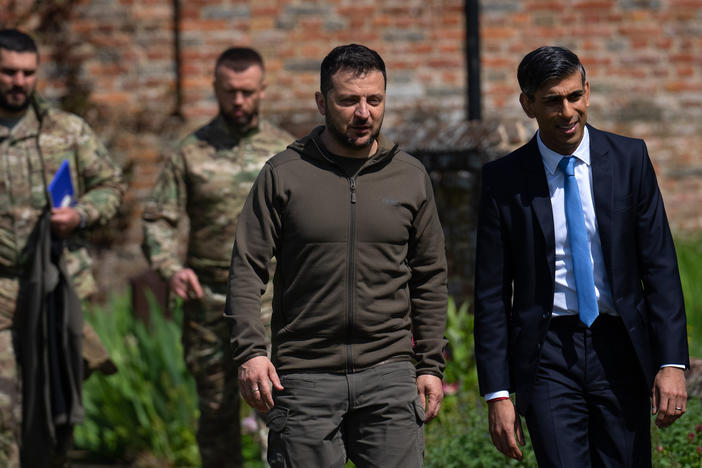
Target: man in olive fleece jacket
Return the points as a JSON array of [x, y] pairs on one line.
[[359, 291]]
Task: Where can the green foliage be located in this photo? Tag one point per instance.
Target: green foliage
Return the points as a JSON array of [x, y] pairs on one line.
[[459, 436], [460, 365], [680, 445], [690, 263], [150, 405]]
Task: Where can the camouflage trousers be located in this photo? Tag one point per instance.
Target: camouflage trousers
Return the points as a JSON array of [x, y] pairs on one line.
[[10, 402], [208, 357]]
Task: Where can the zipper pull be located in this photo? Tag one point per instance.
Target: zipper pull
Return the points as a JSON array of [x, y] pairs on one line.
[[353, 189]]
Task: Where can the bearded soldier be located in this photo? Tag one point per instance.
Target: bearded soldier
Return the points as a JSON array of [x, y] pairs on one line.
[[208, 179], [35, 139]]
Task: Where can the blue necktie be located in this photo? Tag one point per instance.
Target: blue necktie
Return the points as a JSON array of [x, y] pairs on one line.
[[579, 246]]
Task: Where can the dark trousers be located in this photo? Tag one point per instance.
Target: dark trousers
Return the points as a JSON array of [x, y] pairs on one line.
[[372, 417], [590, 404]]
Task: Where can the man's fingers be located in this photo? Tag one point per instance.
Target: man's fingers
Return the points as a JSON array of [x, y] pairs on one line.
[[672, 411], [665, 413], [422, 398], [430, 392], [266, 398], [185, 284], [194, 285], [519, 431], [431, 411], [432, 407], [504, 424], [253, 395], [505, 442], [273, 375], [255, 378]]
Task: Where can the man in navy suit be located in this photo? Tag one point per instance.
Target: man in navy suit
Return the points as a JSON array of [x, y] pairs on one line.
[[578, 304]]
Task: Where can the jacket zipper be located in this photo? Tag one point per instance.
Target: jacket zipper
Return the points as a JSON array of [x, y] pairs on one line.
[[351, 257], [350, 275]]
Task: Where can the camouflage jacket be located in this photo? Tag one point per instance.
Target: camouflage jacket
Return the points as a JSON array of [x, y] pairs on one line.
[[208, 178], [51, 135]]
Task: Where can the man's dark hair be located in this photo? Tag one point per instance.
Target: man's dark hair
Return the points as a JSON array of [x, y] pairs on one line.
[[546, 64], [354, 57], [239, 59], [17, 41]]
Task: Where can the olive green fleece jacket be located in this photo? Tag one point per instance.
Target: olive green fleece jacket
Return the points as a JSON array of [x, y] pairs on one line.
[[361, 265]]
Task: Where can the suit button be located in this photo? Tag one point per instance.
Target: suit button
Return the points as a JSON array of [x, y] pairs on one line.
[[544, 316]]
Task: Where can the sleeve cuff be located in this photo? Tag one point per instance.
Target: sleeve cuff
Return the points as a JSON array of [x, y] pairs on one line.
[[84, 221], [498, 394], [679, 366]]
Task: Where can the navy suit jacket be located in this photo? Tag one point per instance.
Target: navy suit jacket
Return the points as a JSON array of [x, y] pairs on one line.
[[515, 262]]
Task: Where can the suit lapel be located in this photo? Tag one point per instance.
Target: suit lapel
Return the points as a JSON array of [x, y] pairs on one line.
[[537, 190], [602, 187]]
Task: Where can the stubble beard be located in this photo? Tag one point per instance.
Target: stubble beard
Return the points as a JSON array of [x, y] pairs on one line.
[[242, 123], [15, 108], [345, 140]]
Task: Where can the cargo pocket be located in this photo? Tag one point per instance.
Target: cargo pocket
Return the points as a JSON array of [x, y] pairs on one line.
[[277, 418], [419, 417]]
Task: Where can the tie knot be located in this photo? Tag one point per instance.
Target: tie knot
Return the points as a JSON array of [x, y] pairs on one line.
[[567, 165]]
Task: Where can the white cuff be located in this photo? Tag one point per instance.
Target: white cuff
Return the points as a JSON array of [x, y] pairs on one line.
[[493, 395]]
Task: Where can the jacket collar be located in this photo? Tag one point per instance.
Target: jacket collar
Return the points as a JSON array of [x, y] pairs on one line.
[[310, 146]]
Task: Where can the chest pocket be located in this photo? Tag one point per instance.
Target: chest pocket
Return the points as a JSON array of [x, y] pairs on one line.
[[22, 176], [220, 183]]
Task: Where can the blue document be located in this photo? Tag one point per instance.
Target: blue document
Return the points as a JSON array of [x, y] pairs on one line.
[[61, 188]]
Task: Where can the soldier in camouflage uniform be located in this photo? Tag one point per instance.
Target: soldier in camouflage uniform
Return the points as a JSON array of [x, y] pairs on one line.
[[208, 178], [36, 137]]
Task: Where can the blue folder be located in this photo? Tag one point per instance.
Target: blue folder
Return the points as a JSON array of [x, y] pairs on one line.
[[61, 187]]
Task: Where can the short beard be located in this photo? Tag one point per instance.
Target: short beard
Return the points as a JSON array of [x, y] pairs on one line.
[[241, 124], [345, 140], [15, 108]]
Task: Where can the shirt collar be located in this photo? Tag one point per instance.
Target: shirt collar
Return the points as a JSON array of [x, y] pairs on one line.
[[551, 158]]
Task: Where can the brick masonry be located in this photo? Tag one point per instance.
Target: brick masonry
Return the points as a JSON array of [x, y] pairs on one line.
[[114, 62]]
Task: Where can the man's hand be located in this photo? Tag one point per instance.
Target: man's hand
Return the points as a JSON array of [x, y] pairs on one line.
[[64, 221], [255, 378], [504, 424], [669, 395], [185, 284], [431, 393]]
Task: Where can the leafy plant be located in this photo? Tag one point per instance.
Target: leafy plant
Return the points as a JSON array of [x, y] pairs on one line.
[[460, 369], [690, 263], [150, 405], [459, 436]]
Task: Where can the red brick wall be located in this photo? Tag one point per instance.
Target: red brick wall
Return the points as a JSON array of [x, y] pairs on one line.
[[113, 61], [644, 63]]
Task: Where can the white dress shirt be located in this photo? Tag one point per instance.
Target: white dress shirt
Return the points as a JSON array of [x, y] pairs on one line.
[[565, 299]]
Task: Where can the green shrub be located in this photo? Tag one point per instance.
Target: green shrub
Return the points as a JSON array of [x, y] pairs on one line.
[[690, 263], [459, 436], [460, 373], [150, 405]]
